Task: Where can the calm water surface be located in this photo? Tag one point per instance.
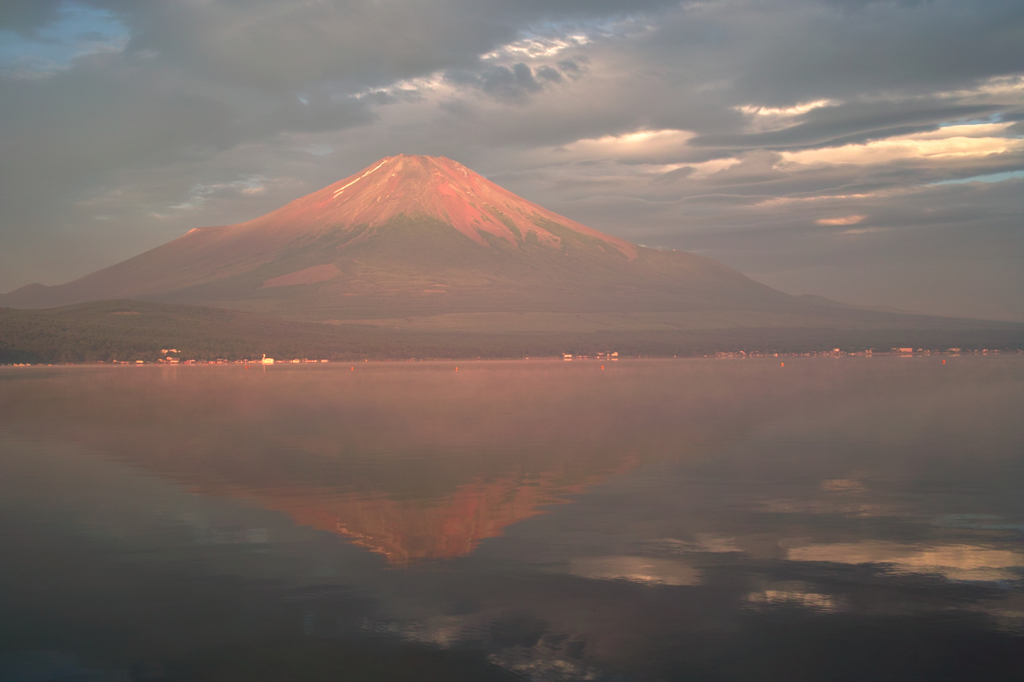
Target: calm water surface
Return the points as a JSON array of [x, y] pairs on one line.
[[832, 519]]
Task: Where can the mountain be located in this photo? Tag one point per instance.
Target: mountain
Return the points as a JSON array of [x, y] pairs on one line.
[[410, 530], [423, 245], [415, 236]]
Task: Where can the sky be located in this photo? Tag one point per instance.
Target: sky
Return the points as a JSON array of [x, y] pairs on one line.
[[867, 151]]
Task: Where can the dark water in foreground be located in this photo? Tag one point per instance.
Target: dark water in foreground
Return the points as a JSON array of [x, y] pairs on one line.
[[833, 519]]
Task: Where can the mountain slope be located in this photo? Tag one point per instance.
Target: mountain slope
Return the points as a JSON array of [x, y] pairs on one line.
[[414, 235]]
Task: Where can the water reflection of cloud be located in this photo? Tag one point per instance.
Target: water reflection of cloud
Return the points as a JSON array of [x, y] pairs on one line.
[[635, 569], [701, 543], [836, 505], [843, 485], [954, 562], [793, 595]]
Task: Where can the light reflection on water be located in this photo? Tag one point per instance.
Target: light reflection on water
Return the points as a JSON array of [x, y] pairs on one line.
[[655, 520]]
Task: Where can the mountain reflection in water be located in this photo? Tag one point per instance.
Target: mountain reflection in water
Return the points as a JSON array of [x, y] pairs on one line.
[[831, 519], [413, 462]]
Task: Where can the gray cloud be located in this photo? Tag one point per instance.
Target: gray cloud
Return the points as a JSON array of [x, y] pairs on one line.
[[846, 124], [24, 16], [510, 84]]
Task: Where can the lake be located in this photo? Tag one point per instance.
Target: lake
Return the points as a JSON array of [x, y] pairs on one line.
[[847, 518]]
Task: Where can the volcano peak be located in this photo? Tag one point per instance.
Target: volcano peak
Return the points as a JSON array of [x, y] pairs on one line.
[[434, 187]]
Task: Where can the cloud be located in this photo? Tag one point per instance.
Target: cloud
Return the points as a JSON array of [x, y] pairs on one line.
[[200, 192], [961, 142], [537, 47], [509, 84], [25, 17], [639, 146], [845, 220], [764, 118]]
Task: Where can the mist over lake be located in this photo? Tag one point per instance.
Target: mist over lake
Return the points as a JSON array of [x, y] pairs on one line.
[[825, 518]]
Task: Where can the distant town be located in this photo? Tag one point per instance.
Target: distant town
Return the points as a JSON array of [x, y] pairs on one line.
[[172, 356]]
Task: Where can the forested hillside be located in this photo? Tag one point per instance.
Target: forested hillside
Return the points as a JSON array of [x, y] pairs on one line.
[[134, 330]]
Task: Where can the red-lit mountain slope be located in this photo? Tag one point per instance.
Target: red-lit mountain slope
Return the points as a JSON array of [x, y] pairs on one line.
[[412, 236]]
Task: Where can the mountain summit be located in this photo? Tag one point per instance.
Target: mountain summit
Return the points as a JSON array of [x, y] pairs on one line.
[[435, 188], [415, 236]]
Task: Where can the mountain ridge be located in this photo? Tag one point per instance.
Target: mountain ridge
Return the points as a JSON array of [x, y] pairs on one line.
[[425, 237]]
